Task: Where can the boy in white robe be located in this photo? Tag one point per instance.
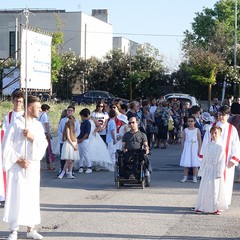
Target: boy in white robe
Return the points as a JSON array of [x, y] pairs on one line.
[[22, 206], [9, 118], [211, 194], [231, 144]]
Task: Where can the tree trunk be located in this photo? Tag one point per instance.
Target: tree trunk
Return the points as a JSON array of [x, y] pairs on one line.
[[209, 95]]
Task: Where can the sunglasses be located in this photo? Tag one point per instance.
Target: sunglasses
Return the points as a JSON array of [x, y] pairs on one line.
[[18, 101], [100, 106]]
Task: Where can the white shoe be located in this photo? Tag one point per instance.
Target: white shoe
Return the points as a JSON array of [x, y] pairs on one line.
[[80, 170], [13, 235], [184, 179], [61, 175], [194, 180], [70, 176], [34, 235], [89, 170]]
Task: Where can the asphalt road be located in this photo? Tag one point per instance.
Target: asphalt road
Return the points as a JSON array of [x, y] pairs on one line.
[[90, 207]]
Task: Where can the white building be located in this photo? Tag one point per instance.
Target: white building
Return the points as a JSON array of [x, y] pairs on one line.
[[84, 34], [127, 46]]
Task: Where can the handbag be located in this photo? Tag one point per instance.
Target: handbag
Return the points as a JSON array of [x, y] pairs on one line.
[[153, 129], [170, 124]]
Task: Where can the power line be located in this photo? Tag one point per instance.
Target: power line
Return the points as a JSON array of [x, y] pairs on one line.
[[114, 33], [151, 34]]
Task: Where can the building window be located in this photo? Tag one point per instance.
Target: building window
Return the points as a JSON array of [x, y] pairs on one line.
[[12, 42]]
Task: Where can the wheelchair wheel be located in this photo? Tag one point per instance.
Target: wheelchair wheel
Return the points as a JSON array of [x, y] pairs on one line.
[[147, 181], [117, 184]]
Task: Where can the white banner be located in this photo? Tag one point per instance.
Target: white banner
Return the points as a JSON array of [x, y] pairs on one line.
[[35, 60]]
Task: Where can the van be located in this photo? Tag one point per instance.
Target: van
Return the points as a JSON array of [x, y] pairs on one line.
[[182, 98]]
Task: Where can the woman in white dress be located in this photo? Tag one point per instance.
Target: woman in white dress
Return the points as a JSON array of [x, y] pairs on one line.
[[98, 152]]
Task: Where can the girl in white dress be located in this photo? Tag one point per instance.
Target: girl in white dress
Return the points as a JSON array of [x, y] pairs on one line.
[[69, 148], [191, 144], [98, 152]]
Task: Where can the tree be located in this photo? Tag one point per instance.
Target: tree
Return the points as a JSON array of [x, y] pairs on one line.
[[209, 47], [72, 70], [146, 71], [57, 40]]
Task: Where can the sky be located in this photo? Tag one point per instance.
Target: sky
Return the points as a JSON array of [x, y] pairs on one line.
[[158, 22]]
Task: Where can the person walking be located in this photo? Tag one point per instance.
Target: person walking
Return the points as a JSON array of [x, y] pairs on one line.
[[164, 116], [44, 119], [111, 138], [2, 187], [123, 129], [214, 107], [235, 121], [69, 148], [150, 125], [22, 205], [191, 144], [61, 126], [102, 117], [9, 118], [230, 141], [211, 196], [83, 141], [98, 151]]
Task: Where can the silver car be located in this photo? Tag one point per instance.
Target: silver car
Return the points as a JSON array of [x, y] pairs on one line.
[[182, 98]]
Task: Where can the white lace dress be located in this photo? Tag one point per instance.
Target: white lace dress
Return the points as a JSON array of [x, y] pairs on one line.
[[98, 152]]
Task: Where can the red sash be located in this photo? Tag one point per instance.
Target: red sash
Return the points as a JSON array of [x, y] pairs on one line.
[[227, 147], [4, 172]]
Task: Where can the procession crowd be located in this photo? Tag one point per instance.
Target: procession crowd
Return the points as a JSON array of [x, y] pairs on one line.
[[89, 142]]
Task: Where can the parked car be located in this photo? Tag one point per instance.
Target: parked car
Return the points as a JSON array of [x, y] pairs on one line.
[[182, 98], [94, 96]]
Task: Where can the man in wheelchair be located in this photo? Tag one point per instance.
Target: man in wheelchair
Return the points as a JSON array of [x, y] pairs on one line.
[[134, 139], [135, 150]]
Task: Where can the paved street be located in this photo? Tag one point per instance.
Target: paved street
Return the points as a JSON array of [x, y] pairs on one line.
[[90, 207]]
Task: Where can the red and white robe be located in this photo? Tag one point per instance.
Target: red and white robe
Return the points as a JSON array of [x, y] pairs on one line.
[[230, 141], [8, 120]]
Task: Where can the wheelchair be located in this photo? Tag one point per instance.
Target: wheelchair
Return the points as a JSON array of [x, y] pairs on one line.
[[132, 167]]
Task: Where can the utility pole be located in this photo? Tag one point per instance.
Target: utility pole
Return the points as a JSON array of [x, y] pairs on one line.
[[235, 46]]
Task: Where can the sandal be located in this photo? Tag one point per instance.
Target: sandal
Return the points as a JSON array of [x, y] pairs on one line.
[[50, 168]]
